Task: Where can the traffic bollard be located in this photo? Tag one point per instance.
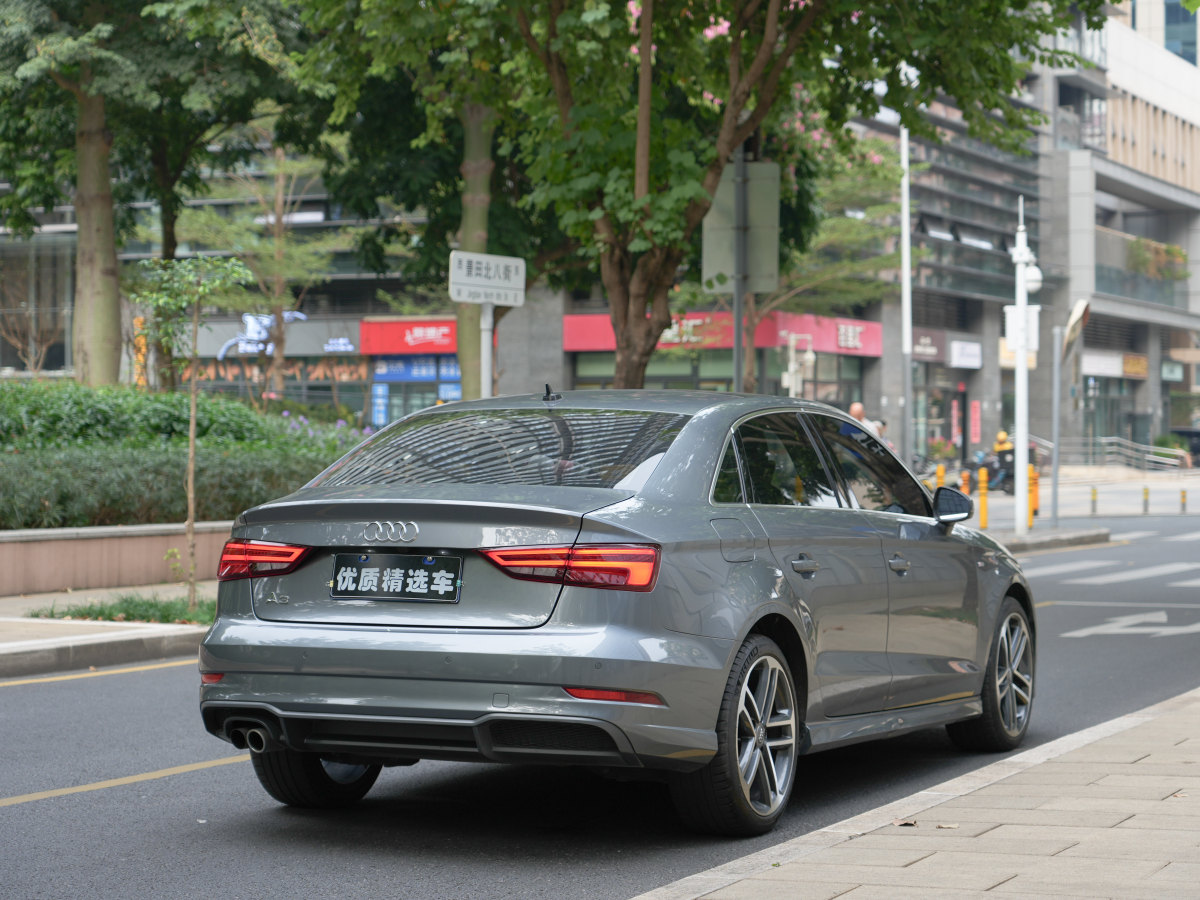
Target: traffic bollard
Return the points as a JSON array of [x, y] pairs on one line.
[[1183, 503], [1093, 501], [1035, 485], [941, 475], [966, 482], [983, 479], [1145, 499], [1031, 499]]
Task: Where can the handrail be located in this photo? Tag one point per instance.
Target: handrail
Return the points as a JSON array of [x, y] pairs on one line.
[[1112, 451]]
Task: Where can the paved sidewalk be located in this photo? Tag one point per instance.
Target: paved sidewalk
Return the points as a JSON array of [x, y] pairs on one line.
[[1110, 812], [34, 646]]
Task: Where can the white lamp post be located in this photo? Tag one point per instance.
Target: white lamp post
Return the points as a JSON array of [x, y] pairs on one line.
[[1029, 278]]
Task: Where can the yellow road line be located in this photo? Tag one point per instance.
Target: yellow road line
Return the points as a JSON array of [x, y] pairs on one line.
[[166, 665], [118, 782]]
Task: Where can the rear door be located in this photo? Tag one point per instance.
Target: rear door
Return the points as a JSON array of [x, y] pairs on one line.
[[933, 585], [830, 559]]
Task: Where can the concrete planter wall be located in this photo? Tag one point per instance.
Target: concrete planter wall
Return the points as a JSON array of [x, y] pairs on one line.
[[37, 560]]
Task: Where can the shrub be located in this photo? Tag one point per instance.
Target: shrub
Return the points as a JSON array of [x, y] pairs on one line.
[[121, 485], [47, 415]]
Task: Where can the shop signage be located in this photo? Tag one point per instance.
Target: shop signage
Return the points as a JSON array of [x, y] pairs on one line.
[[929, 345], [1008, 357], [395, 336], [1172, 371], [583, 333], [1101, 364], [1135, 365], [250, 334], [425, 367], [966, 355]]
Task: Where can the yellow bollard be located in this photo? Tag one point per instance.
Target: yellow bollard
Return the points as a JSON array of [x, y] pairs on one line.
[[1145, 500], [1035, 479], [983, 477], [941, 475], [966, 482], [1032, 498], [1094, 496], [1183, 502]]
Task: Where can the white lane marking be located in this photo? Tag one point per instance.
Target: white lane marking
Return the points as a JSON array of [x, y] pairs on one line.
[[1152, 623], [1131, 535], [1117, 604], [1081, 565], [1190, 536], [1194, 583], [1137, 574]]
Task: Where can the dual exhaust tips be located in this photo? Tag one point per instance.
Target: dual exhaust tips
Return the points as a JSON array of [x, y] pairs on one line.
[[256, 739]]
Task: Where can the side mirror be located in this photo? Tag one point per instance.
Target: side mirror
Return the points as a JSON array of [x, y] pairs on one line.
[[951, 505]]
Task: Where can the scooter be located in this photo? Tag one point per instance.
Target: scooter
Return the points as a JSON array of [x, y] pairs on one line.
[[999, 468]]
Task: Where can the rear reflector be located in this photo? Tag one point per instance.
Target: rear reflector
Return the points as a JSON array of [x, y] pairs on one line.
[[616, 696], [211, 677], [253, 559], [615, 566]]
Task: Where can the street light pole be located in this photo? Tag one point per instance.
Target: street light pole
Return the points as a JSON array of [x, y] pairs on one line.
[[906, 329], [1022, 257]]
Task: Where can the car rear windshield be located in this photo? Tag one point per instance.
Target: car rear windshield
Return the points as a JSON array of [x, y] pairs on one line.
[[576, 448]]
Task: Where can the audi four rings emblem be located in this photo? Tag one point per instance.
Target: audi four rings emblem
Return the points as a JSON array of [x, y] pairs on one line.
[[391, 531]]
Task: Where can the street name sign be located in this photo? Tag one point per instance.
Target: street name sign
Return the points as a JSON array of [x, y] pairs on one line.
[[487, 278]]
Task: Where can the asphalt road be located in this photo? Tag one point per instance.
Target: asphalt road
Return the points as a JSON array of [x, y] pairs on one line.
[[1119, 629]]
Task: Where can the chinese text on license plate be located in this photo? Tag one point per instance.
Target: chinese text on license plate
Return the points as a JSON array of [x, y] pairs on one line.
[[393, 576]]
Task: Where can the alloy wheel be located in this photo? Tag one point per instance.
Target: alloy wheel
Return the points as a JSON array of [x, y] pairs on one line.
[[766, 735], [1014, 674]]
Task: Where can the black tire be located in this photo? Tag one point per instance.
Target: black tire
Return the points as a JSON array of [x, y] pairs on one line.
[[308, 781], [1007, 687], [746, 786]]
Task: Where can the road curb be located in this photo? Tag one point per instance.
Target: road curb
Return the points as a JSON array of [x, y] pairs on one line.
[[66, 656], [1051, 540]]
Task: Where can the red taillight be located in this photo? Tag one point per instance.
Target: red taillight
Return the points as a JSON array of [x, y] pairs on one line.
[[253, 559], [211, 677], [616, 566], [616, 696]]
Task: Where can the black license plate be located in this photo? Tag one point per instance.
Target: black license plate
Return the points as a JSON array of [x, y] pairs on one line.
[[395, 576]]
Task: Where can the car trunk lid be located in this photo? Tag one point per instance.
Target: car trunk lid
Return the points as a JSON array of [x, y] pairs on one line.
[[415, 561]]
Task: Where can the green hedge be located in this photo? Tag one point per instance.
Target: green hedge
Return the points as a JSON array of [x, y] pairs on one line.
[[119, 485], [40, 414]]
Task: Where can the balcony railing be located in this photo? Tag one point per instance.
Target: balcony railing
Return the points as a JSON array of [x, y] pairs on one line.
[[1118, 270]]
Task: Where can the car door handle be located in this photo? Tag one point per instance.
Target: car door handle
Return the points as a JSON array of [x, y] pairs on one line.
[[805, 565], [899, 564]]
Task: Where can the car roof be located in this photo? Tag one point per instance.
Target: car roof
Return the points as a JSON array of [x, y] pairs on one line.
[[682, 402]]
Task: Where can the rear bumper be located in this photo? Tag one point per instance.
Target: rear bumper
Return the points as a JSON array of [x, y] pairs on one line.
[[393, 695]]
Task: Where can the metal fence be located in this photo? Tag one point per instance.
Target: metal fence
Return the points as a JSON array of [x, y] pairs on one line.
[[1112, 451]]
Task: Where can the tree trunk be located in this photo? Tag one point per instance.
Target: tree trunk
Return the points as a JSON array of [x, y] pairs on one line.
[[751, 317], [639, 306], [479, 124], [96, 331]]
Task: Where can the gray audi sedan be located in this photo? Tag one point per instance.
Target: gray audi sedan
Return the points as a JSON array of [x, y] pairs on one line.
[[701, 585]]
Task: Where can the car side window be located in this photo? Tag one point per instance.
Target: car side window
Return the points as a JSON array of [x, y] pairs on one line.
[[783, 468], [728, 488], [873, 475]]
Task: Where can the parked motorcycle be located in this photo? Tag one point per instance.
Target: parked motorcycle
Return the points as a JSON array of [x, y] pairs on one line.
[[1000, 468]]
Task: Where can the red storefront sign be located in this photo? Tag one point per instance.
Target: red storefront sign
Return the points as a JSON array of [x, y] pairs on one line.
[[389, 337], [593, 332]]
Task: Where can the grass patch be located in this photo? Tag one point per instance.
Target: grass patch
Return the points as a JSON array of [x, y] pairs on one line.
[[136, 608]]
